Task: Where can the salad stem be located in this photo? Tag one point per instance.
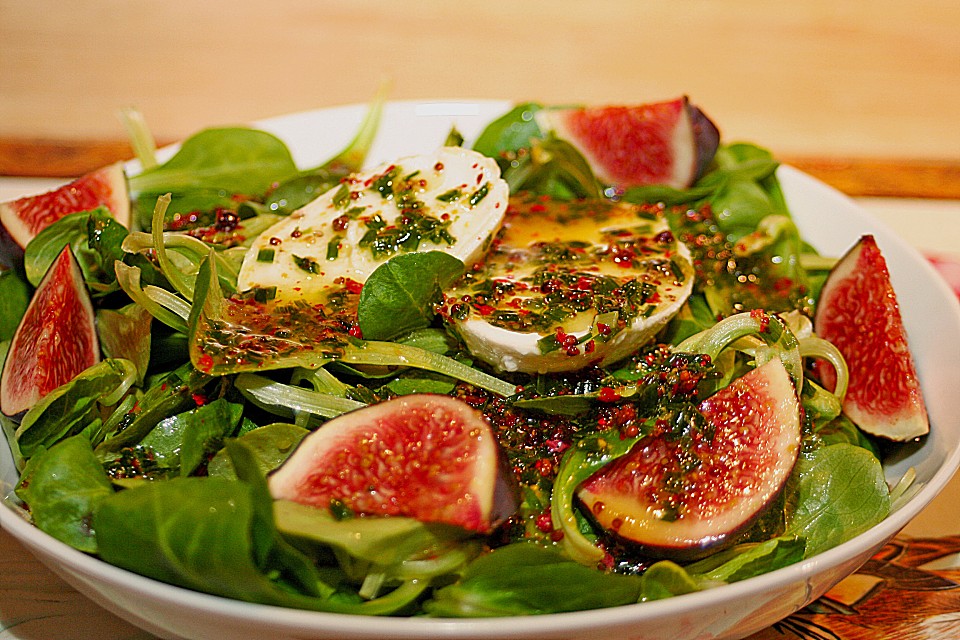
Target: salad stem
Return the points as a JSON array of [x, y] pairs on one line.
[[393, 354]]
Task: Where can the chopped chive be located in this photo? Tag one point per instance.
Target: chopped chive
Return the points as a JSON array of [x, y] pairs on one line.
[[479, 194], [264, 294], [307, 264], [266, 255], [342, 197], [450, 196], [333, 247]]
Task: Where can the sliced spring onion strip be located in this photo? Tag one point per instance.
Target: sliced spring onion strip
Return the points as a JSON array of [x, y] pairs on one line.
[[288, 400], [395, 354], [129, 279], [168, 300], [321, 380], [814, 262], [814, 347], [578, 463], [144, 146], [127, 371], [905, 489], [766, 327], [173, 275]]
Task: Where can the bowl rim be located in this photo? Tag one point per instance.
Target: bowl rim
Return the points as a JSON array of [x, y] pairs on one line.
[[49, 550]]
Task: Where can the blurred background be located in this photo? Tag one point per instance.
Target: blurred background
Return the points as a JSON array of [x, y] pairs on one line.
[[818, 78], [863, 95]]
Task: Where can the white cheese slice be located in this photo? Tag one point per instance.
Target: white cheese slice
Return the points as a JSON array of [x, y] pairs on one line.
[[453, 200], [567, 285]]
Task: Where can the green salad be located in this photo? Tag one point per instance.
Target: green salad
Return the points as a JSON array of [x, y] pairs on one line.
[[684, 324]]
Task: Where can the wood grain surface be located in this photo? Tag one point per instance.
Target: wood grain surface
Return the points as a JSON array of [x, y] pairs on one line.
[[896, 177], [819, 78]]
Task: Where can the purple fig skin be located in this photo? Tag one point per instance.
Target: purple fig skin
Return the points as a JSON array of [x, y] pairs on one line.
[[11, 253], [706, 138], [506, 492], [652, 502], [692, 553]]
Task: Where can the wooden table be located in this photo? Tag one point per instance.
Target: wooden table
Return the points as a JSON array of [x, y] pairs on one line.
[[863, 95]]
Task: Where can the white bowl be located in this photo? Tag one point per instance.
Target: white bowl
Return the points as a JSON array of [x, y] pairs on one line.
[[829, 220]]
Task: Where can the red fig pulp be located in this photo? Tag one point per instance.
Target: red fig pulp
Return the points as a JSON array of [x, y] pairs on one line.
[[859, 314], [683, 497], [428, 457], [56, 338], [22, 219], [668, 143]]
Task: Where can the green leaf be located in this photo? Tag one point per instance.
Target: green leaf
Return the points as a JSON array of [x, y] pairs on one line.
[[840, 492], [509, 132], [220, 342], [235, 159], [454, 138], [192, 532], [524, 579], [125, 333], [746, 561], [63, 486], [43, 250], [431, 339], [14, 300], [421, 382], [217, 536], [352, 157], [95, 238], [270, 446], [69, 408], [170, 394], [666, 579], [298, 191], [399, 296], [184, 440], [566, 405], [105, 238]]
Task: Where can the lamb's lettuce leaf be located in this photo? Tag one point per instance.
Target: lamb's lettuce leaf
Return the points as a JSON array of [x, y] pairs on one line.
[[400, 295], [526, 578], [64, 486], [840, 492]]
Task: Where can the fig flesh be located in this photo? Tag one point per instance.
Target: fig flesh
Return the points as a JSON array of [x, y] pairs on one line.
[[683, 497], [428, 457], [669, 142], [858, 312], [55, 340], [22, 219]]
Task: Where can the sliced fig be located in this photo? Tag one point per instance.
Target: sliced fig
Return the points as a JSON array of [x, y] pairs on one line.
[[859, 314], [22, 219], [667, 143], [683, 497], [428, 457], [55, 340]]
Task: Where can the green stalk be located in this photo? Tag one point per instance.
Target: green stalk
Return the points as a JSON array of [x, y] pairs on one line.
[[129, 280], [394, 354], [287, 400], [814, 347], [144, 146], [172, 274], [767, 327], [352, 157]]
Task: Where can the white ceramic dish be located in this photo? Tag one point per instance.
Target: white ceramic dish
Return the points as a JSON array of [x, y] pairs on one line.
[[830, 221]]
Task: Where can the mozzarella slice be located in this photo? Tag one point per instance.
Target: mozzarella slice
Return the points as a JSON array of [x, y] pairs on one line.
[[569, 284], [453, 200]]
